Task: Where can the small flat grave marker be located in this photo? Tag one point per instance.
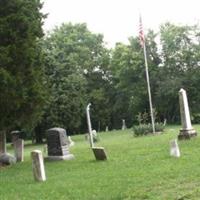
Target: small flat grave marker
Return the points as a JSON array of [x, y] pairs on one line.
[[99, 153]]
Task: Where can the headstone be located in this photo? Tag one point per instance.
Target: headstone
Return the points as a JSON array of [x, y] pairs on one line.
[[19, 149], [174, 149], [99, 153], [57, 145], [15, 135], [2, 142], [38, 165], [123, 124], [187, 130], [7, 159], [70, 142], [165, 122], [94, 135], [106, 129]]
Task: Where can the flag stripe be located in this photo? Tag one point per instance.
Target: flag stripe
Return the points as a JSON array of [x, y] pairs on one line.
[[141, 33]]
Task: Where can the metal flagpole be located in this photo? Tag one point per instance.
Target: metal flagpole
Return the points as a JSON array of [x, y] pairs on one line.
[[142, 39]]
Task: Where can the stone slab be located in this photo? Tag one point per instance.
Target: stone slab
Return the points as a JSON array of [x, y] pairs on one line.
[[99, 153], [38, 166], [187, 134]]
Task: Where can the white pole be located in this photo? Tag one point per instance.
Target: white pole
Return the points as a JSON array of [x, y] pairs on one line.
[[148, 86], [89, 125]]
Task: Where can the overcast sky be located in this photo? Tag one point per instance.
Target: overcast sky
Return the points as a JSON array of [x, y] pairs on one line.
[[118, 19]]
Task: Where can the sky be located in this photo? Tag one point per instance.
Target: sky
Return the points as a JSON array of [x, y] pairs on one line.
[[117, 20]]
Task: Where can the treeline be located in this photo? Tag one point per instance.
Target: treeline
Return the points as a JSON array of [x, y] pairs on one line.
[[47, 81]]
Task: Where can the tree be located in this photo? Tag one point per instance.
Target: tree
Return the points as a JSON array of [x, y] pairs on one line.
[[74, 56], [21, 82], [180, 68]]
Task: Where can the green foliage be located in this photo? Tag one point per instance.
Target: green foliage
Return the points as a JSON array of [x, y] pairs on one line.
[[75, 65], [144, 129], [21, 65]]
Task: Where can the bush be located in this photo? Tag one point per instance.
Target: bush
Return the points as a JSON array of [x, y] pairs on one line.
[[144, 129]]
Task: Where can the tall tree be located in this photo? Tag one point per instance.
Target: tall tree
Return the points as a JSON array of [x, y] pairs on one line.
[[180, 68], [21, 88], [74, 56]]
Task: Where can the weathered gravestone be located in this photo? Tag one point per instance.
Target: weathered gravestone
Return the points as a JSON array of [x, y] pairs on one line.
[[123, 124], [15, 135], [70, 142], [5, 158], [38, 166], [187, 130], [174, 149], [57, 146], [19, 149], [99, 153]]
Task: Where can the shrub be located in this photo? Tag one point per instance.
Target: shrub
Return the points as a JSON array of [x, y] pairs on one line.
[[144, 129]]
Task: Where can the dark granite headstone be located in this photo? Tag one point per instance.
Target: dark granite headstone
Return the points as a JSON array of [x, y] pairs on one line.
[[57, 146], [99, 153]]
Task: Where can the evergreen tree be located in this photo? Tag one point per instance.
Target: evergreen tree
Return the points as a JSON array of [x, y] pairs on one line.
[[21, 65]]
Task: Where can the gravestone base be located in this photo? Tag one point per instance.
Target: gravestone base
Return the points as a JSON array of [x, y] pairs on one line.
[[185, 134], [57, 158], [99, 153]]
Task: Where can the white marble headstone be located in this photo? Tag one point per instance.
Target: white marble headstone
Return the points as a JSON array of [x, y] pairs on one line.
[[174, 149], [38, 165]]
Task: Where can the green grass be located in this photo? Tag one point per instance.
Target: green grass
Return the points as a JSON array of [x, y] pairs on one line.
[[137, 168]]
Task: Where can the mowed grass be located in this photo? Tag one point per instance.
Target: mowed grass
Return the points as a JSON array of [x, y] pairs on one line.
[[137, 168]]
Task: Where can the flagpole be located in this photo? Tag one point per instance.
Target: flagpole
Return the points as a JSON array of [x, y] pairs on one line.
[[142, 42], [148, 87]]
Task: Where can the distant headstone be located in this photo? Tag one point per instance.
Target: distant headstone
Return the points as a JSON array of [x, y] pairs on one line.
[[174, 149], [106, 129], [19, 149], [187, 130], [94, 135], [57, 145], [123, 124], [38, 166], [2, 142], [70, 142], [99, 153], [15, 135]]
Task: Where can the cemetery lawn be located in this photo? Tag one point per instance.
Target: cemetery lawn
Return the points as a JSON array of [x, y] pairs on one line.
[[137, 168]]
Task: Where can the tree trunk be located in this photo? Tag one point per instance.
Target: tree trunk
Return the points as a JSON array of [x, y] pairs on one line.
[[38, 135], [2, 142]]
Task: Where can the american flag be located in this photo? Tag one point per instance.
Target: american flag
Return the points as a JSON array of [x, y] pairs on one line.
[[141, 33]]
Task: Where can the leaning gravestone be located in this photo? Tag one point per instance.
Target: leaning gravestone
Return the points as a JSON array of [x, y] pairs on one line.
[[57, 145], [38, 166], [99, 153], [19, 149], [187, 130]]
